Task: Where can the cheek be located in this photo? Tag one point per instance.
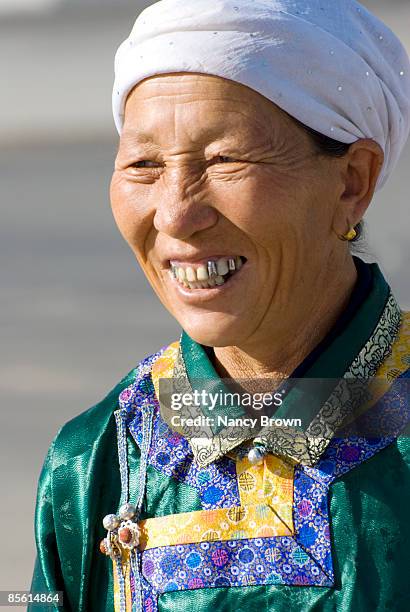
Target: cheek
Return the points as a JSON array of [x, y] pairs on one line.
[[276, 213], [131, 215], [263, 208]]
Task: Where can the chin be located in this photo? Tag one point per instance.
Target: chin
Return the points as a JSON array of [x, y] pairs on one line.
[[214, 329]]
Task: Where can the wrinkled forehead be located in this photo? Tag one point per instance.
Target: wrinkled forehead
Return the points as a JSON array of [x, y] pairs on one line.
[[206, 104]]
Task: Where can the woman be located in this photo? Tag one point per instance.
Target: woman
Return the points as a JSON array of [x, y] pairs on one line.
[[252, 139]]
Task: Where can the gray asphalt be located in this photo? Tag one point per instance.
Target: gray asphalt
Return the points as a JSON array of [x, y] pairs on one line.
[[77, 313]]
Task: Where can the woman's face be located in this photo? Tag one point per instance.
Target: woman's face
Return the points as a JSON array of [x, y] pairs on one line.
[[210, 171]]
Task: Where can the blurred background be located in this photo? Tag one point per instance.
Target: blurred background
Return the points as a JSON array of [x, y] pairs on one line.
[[76, 312]]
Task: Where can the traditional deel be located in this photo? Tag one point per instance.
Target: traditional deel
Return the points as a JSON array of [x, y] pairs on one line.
[[264, 523]]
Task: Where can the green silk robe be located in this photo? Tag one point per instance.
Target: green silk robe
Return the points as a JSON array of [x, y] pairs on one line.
[[368, 509]]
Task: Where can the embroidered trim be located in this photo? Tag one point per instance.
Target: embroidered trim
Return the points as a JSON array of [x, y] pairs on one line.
[[127, 572], [365, 365]]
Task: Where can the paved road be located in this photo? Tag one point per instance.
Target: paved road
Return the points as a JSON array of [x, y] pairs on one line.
[[76, 313]]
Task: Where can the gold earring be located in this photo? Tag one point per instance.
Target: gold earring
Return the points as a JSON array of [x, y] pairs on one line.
[[351, 235]]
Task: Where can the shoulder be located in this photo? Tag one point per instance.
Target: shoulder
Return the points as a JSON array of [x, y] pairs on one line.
[[83, 431], [95, 427]]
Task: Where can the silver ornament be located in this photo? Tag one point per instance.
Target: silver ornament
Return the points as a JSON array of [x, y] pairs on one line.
[[127, 511], [129, 535], [256, 455], [111, 521]]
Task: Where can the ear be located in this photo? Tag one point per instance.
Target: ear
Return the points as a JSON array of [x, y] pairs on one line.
[[361, 167]]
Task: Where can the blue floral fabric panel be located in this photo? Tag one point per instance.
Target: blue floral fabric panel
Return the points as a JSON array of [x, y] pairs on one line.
[[171, 453], [233, 563]]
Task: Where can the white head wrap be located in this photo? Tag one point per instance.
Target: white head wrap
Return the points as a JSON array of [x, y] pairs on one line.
[[332, 65]]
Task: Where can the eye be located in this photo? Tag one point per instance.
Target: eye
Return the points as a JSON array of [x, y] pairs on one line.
[[223, 159], [146, 163]]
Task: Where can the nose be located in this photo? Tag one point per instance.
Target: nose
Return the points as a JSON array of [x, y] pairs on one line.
[[182, 210]]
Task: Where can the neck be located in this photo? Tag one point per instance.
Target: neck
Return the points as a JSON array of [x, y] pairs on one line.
[[276, 350]]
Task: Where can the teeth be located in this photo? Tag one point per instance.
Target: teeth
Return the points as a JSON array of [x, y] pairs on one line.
[[202, 273], [205, 276], [212, 269], [181, 274], [222, 267], [190, 275]]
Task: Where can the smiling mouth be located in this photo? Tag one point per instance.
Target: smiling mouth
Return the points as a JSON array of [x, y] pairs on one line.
[[208, 275]]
